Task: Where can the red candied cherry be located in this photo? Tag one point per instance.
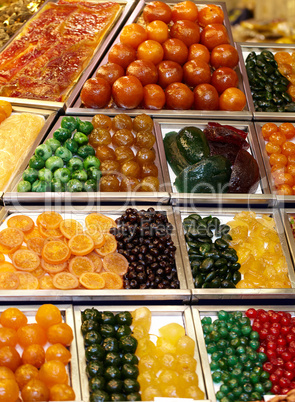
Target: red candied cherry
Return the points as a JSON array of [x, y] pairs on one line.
[[260, 310], [266, 324], [274, 378], [271, 345], [257, 326], [293, 330], [271, 354], [285, 330], [251, 313], [289, 366], [276, 325], [281, 349], [271, 338], [289, 375], [286, 356], [274, 331], [281, 342], [284, 382], [290, 338], [285, 391], [280, 362], [292, 351], [276, 390], [261, 349], [263, 333], [291, 344], [279, 372], [293, 385], [274, 317], [269, 367], [286, 321], [293, 320], [264, 317]]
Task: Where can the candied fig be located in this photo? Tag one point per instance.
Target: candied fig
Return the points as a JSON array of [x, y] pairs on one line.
[[245, 174]]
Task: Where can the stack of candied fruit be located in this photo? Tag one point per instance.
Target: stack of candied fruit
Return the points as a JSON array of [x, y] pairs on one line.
[[281, 151], [178, 58], [29, 367]]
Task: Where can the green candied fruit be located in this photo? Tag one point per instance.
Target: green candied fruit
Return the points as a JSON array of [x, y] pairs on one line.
[[264, 376], [214, 336], [254, 335], [206, 320], [244, 321], [223, 315], [216, 376], [237, 391], [207, 328], [236, 329], [233, 383], [240, 350], [267, 385], [246, 329], [254, 344], [259, 387], [256, 396], [229, 351], [244, 340], [223, 363], [214, 365], [236, 342], [225, 376], [254, 378], [224, 388], [236, 373], [219, 395], [211, 348], [222, 344], [248, 388], [216, 355], [243, 358], [223, 332], [232, 360]]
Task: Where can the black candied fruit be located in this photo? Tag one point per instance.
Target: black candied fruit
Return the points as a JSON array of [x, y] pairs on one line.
[[144, 239]]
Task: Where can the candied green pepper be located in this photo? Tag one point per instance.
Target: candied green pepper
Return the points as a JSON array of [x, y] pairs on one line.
[[75, 164], [53, 143], [63, 174], [43, 151], [91, 161], [69, 123], [80, 138], [45, 174], [62, 134], [53, 163], [30, 175], [85, 150], [74, 186], [24, 186], [64, 153], [36, 162], [84, 127], [71, 145]]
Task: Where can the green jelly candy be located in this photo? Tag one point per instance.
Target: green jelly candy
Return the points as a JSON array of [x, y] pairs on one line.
[[216, 376]]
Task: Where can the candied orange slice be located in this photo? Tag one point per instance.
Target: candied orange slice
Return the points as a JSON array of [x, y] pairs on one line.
[[99, 221], [92, 280], [38, 272], [65, 280], [97, 261], [21, 222], [53, 268], [116, 263], [97, 237], [81, 244], [34, 233], [49, 220], [112, 280], [56, 252], [50, 232], [46, 282], [8, 250], [11, 237], [110, 245], [25, 260], [9, 280], [27, 281], [78, 265], [36, 244], [70, 228], [10, 254], [2, 258], [7, 267]]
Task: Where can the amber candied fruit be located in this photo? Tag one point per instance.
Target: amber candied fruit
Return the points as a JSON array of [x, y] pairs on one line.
[[96, 93], [145, 139], [110, 167], [131, 169], [127, 92], [109, 183], [232, 99], [200, 52], [124, 154], [123, 137], [99, 136], [133, 35], [185, 10], [223, 78], [157, 10], [150, 50], [158, 31], [144, 70], [145, 155], [206, 97], [210, 14], [130, 184], [103, 153], [169, 72], [102, 121], [224, 56], [179, 96], [149, 169], [196, 72], [153, 97], [214, 35], [187, 31], [142, 122], [149, 183], [175, 50], [121, 121], [110, 72], [122, 54]]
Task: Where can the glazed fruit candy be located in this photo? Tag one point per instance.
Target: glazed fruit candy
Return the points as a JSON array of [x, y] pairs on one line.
[[258, 247], [112, 366], [235, 362], [167, 369], [28, 366], [277, 340]]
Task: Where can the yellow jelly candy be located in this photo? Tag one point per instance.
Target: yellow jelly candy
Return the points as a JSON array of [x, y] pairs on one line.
[[185, 345], [168, 360], [185, 363], [167, 377], [172, 332], [140, 332], [194, 392], [142, 316], [170, 391], [145, 347], [148, 362], [164, 346], [188, 378], [150, 393], [146, 378]]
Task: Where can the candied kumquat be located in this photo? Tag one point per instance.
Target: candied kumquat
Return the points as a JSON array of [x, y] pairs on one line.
[[13, 318], [31, 334], [285, 189], [8, 337], [9, 390], [35, 390], [284, 178], [62, 392], [58, 352], [47, 315], [278, 159], [60, 333], [272, 148], [288, 130], [6, 373], [268, 129], [25, 373], [53, 372], [288, 148], [9, 357], [34, 355], [277, 138]]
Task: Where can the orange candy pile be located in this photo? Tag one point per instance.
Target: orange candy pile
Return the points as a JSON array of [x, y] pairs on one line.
[[59, 254], [5, 110], [36, 373], [178, 58], [281, 151]]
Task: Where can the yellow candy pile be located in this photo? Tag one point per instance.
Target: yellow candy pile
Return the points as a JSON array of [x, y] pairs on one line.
[[258, 246], [167, 369]]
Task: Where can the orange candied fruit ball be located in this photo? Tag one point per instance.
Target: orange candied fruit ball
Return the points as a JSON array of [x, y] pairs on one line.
[[232, 99], [153, 97], [288, 130], [288, 148], [150, 50], [31, 334], [34, 355], [210, 14], [96, 93], [25, 373], [158, 31], [8, 337], [9, 390], [127, 92], [214, 35], [133, 35], [47, 315], [58, 352], [9, 357], [268, 129], [122, 54], [157, 10], [60, 333], [185, 10], [283, 178], [272, 148], [6, 373], [13, 318], [285, 189], [275, 159], [53, 372], [277, 138], [62, 392], [35, 390], [199, 51], [179, 96]]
